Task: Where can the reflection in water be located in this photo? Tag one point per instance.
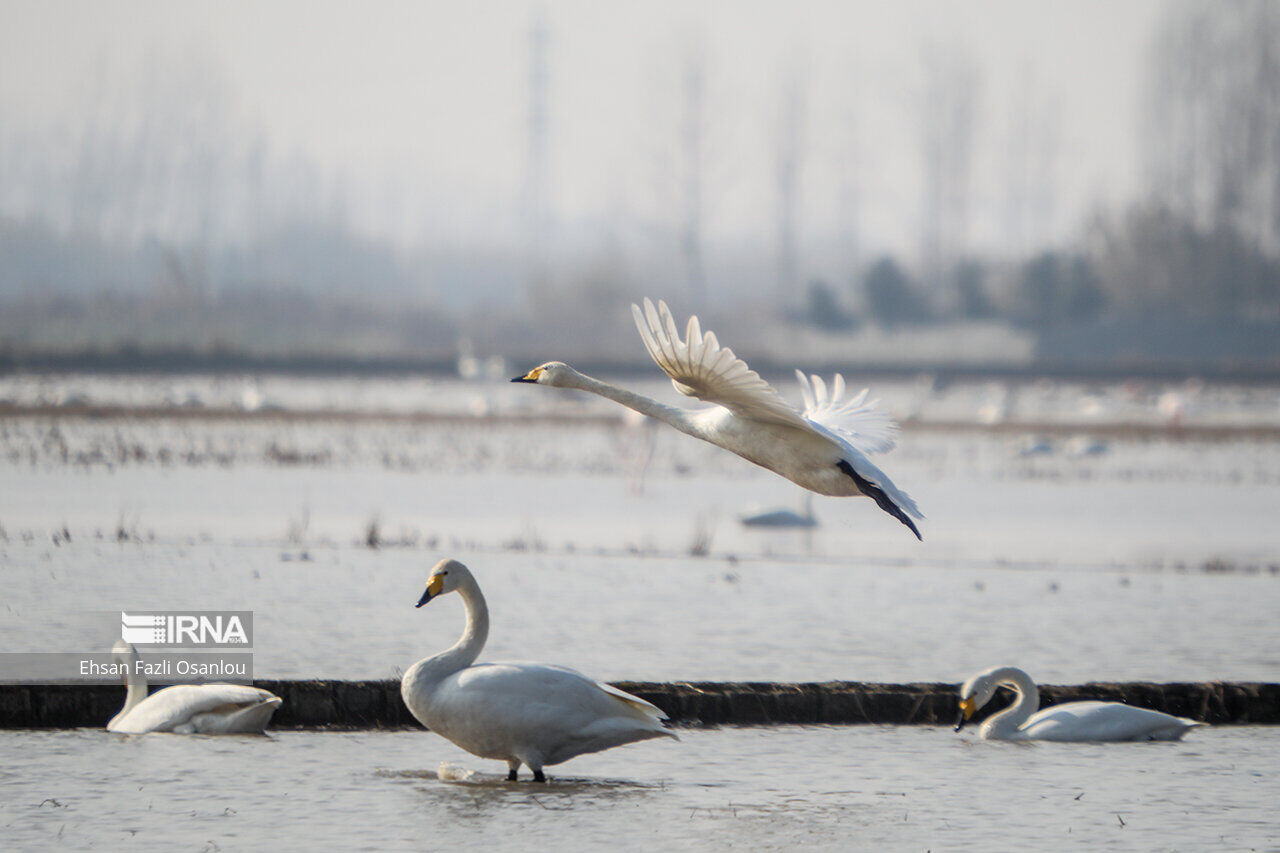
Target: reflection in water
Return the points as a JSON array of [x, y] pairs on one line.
[[471, 793]]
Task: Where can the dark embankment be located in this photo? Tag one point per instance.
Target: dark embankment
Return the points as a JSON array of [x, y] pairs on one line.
[[376, 704]]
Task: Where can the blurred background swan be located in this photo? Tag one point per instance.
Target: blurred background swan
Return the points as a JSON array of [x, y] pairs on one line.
[[781, 517], [188, 708], [822, 448], [523, 713], [1069, 721]]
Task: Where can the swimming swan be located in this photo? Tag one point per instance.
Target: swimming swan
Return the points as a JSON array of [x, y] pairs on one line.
[[822, 448], [534, 714], [1070, 721], [188, 708]]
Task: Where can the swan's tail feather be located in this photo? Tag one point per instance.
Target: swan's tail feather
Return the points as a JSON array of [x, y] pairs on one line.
[[651, 714], [882, 499], [252, 718], [634, 702]]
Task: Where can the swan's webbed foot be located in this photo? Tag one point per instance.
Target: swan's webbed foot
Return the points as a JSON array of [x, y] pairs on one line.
[[537, 775]]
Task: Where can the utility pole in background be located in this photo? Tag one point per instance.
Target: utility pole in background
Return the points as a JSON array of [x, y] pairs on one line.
[[693, 145], [790, 155], [948, 108], [538, 165]]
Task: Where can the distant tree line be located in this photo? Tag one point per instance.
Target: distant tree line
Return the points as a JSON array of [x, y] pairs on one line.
[[1204, 243], [182, 207]]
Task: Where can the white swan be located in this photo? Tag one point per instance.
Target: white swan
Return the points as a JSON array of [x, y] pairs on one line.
[[1070, 721], [822, 448], [188, 708], [534, 714]]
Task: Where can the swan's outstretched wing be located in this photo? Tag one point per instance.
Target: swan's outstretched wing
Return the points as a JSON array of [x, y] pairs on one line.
[[700, 367], [166, 709], [857, 421]]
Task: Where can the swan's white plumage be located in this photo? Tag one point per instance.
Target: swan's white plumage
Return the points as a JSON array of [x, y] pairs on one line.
[[822, 449], [699, 367], [190, 708], [523, 713], [854, 419], [1070, 721]]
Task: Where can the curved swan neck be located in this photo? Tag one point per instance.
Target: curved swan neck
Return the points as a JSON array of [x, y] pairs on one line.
[[476, 632], [464, 652], [1008, 721], [135, 684], [676, 417], [137, 688]]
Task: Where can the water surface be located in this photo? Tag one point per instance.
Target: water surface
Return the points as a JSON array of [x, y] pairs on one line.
[[852, 787]]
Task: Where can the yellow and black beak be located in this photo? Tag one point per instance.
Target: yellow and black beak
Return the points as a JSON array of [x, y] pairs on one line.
[[967, 709], [434, 587], [531, 376]]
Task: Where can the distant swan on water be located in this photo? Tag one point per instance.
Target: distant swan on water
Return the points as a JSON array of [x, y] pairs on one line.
[[1069, 721], [188, 708], [782, 517], [534, 714], [822, 448]]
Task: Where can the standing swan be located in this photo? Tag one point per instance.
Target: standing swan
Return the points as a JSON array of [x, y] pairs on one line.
[[1070, 721], [822, 448], [188, 708], [534, 714]]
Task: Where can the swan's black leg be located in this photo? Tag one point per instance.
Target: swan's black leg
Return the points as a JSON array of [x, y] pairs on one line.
[[511, 775], [537, 775], [877, 494]]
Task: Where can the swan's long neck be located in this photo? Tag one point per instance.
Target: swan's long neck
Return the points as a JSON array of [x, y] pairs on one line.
[[676, 417], [1008, 721], [135, 684], [463, 653], [137, 688]]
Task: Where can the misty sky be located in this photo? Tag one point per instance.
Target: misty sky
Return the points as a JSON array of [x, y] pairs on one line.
[[418, 111]]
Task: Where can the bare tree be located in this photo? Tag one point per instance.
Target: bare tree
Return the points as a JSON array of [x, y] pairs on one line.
[[850, 200], [948, 109], [1030, 167], [693, 157], [790, 160], [1212, 124], [538, 168]]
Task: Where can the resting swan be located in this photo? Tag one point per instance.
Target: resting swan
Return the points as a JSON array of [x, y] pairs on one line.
[[522, 713], [188, 708], [1070, 721], [822, 449]]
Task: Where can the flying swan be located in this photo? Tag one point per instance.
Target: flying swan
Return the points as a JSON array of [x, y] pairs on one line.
[[1070, 721], [188, 708], [534, 714], [822, 449]]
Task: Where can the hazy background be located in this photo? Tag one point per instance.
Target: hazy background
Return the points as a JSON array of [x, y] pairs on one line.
[[1091, 184]]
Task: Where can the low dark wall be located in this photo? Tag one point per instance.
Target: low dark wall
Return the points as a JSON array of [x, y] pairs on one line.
[[377, 704]]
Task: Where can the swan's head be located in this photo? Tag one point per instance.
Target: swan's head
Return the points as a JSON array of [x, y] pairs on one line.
[[554, 373], [975, 693], [446, 576], [123, 652]]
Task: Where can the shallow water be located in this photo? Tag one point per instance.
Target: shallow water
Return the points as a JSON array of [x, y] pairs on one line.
[[1152, 560], [860, 787], [618, 551], [348, 613], [923, 397]]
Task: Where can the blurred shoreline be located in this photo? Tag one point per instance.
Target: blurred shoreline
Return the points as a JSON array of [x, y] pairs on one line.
[[1057, 428], [131, 361]]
